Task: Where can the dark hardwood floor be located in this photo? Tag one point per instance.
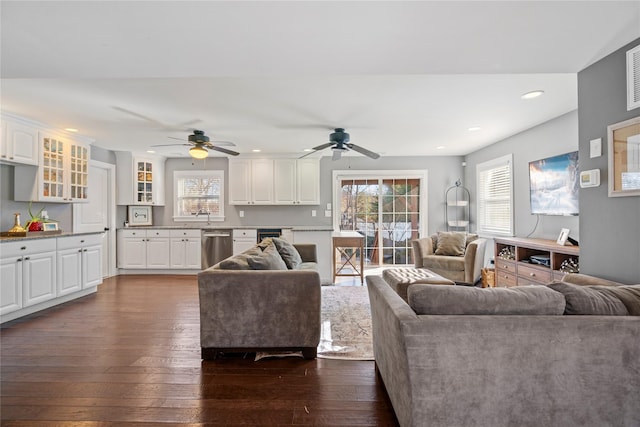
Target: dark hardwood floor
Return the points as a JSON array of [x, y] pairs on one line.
[[130, 356]]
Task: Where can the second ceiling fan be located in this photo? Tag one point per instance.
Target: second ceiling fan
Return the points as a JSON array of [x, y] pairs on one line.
[[339, 143]]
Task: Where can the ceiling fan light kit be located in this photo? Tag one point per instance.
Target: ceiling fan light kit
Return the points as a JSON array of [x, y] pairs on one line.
[[198, 152]]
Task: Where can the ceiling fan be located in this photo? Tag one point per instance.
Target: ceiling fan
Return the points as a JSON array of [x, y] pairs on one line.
[[339, 143], [185, 126], [200, 142]]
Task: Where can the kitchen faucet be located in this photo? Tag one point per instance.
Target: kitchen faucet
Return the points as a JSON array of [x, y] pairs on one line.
[[202, 211]]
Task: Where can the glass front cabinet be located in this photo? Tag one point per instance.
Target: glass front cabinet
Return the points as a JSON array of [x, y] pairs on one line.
[[62, 174], [139, 179]]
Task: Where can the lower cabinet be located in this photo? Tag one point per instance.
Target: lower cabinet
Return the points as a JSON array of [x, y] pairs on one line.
[[39, 273], [158, 249], [186, 248], [28, 274], [79, 263]]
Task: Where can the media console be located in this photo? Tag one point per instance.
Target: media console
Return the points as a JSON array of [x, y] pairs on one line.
[[514, 266]]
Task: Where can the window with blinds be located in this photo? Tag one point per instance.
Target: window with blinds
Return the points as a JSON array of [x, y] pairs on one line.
[[198, 196], [495, 196]]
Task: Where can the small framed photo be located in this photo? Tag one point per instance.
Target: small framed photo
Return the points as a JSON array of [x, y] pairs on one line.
[[562, 238], [140, 215], [50, 226]]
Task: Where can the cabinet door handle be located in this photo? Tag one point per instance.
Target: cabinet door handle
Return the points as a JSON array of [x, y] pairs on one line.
[[84, 250], [79, 250], [19, 260], [27, 258], [107, 229], [532, 274]]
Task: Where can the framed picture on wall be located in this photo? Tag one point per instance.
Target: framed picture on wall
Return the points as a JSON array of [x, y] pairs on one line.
[[624, 158], [140, 215]]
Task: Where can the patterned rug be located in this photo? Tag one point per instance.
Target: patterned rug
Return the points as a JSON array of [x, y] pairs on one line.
[[346, 323]]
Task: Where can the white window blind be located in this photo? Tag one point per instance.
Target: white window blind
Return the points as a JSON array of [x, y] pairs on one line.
[[495, 196], [198, 196]]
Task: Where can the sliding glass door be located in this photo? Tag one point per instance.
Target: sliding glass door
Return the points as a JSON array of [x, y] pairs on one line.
[[386, 211]]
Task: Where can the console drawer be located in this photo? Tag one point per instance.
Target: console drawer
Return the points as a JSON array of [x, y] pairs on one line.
[[534, 274], [505, 279]]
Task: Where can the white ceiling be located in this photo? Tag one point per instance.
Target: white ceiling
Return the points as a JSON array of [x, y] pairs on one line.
[[403, 78]]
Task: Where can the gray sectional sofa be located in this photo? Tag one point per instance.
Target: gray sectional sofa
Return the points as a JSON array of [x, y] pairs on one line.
[[265, 299], [509, 357]]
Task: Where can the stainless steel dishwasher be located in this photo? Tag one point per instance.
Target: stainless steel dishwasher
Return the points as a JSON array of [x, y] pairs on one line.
[[216, 246]]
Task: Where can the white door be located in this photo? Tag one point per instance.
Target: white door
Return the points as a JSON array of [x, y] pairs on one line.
[[98, 214]]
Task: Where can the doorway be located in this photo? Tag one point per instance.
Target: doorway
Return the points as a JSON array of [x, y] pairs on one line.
[[390, 211], [98, 214]]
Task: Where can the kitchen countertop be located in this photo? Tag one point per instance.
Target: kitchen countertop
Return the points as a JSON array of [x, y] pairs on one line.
[[45, 236]]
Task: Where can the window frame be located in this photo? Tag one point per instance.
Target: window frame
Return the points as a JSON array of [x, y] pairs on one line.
[[184, 174], [483, 227]]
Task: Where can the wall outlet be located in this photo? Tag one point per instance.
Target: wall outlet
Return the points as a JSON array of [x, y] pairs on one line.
[[327, 214], [241, 213], [314, 212], [328, 206]]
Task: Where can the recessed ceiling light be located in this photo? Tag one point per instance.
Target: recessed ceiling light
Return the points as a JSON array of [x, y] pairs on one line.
[[532, 94], [71, 129], [256, 150], [440, 147], [474, 128], [151, 151], [308, 149]]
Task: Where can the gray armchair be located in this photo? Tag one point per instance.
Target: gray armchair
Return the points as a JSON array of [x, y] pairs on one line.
[[461, 265]]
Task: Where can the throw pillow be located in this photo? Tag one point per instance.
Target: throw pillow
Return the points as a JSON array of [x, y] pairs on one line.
[[593, 300], [455, 300], [269, 259], [240, 261], [451, 243], [288, 253]]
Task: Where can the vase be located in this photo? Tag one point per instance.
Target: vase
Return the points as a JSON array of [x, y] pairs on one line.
[[17, 228]]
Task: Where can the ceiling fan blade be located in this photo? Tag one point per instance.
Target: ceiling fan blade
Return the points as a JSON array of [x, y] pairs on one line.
[[323, 146], [188, 124], [179, 139], [336, 154], [364, 151], [170, 145], [222, 143], [138, 115], [224, 150]]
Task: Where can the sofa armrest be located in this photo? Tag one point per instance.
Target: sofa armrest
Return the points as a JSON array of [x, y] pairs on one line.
[[474, 260], [308, 251], [421, 248]]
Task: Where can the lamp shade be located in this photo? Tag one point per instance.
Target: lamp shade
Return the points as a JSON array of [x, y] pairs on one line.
[[198, 152]]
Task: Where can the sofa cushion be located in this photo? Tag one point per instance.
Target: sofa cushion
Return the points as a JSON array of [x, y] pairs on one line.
[[451, 243], [521, 300], [441, 262], [288, 253], [598, 300], [240, 261], [269, 259]]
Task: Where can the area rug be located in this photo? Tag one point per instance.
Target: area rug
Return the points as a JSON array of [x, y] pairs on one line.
[[346, 323]]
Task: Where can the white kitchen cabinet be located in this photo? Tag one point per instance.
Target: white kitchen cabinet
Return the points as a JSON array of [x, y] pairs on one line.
[[274, 181], [143, 248], [297, 181], [251, 181], [244, 239], [79, 263], [18, 141], [62, 174], [28, 273], [140, 179], [185, 249], [132, 248]]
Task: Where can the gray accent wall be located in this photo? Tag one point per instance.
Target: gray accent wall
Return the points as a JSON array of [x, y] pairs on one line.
[[557, 136], [609, 226]]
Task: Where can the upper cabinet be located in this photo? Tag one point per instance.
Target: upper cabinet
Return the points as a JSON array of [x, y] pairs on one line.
[[140, 179], [297, 181], [18, 141], [274, 181], [62, 174]]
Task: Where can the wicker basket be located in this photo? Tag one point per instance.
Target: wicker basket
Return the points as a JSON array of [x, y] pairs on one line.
[[488, 277]]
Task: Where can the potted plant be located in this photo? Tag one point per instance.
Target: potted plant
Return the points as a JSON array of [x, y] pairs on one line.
[[35, 222]]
